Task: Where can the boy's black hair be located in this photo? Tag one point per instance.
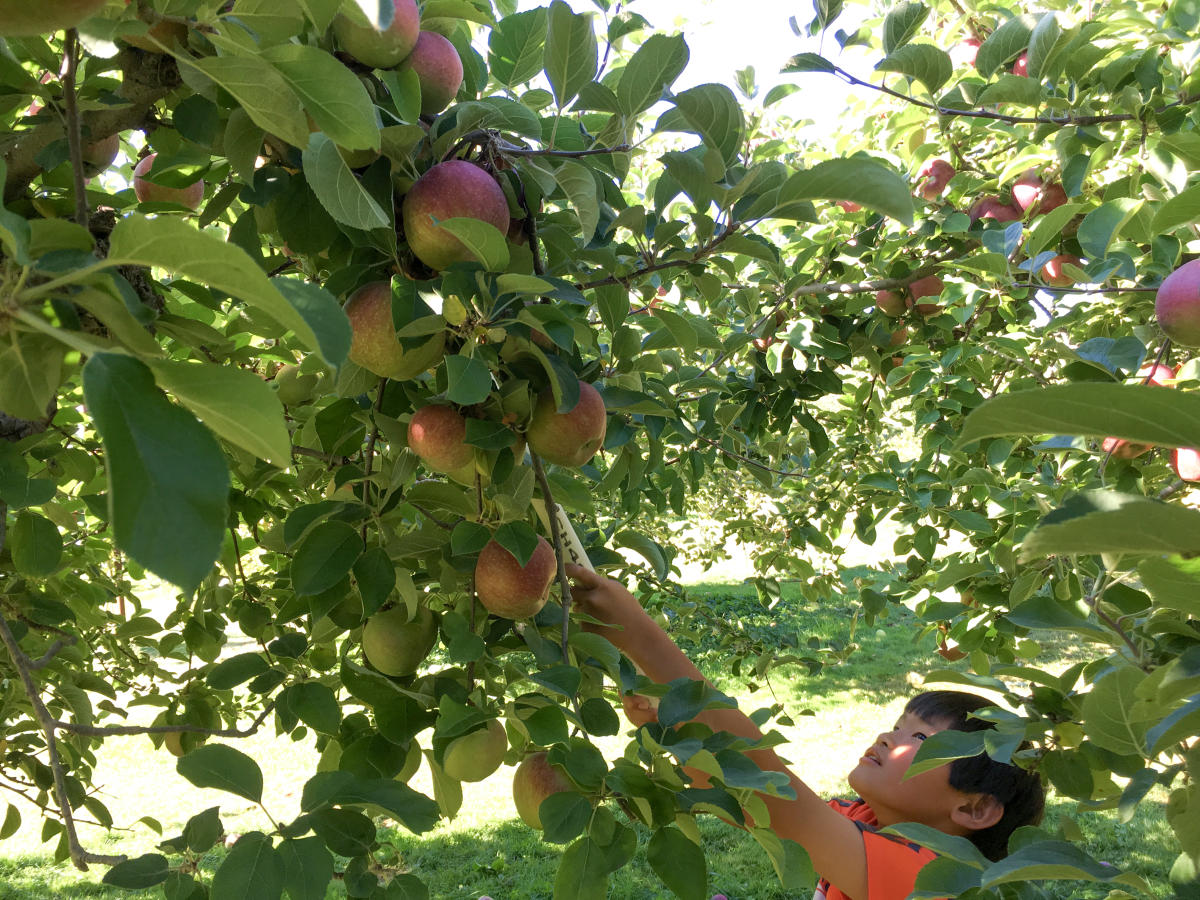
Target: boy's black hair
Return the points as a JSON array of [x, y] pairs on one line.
[[1019, 790]]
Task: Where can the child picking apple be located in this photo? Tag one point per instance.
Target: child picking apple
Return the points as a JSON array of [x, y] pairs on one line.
[[977, 798]]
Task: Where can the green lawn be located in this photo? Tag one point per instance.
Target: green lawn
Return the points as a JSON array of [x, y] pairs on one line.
[[486, 850]]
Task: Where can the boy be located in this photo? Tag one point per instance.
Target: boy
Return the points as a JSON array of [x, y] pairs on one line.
[[976, 798]]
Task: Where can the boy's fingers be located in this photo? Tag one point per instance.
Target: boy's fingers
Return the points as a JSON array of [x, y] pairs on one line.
[[584, 578]]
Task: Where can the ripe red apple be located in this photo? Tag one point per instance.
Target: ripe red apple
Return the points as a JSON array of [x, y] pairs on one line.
[[570, 438], [394, 645], [534, 781], [849, 206], [512, 591], [1021, 66], [380, 49], [1177, 305], [1186, 461], [1156, 374], [149, 192], [964, 52], [991, 208], [450, 190], [934, 175], [929, 286], [439, 70], [437, 435], [1052, 271], [898, 339], [1123, 449], [1029, 189], [26, 18], [99, 155], [890, 303]]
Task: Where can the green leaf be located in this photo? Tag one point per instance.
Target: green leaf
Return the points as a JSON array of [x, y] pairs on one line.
[[332, 94], [1146, 414], [236, 404], [323, 314], [269, 20], [711, 111], [579, 185], [862, 181], [12, 823], [342, 195], [1173, 583], [36, 545], [571, 54], [644, 547], [686, 699], [582, 873], [346, 832], [926, 63], [224, 768], [203, 830], [564, 815], [307, 867], [468, 380], [414, 811], [143, 872], [483, 239], [679, 863], [172, 244], [168, 482], [519, 539], [1180, 725], [1103, 225], [1112, 716], [1054, 860], [1107, 522], [1003, 44], [314, 704], [375, 575], [235, 670], [325, 557], [1042, 43], [901, 25], [515, 45], [651, 70], [1049, 227], [1182, 209], [30, 373], [1012, 89], [260, 90], [253, 870], [808, 62], [942, 747]]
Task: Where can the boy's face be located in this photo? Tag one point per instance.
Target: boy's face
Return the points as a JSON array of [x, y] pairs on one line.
[[879, 778]]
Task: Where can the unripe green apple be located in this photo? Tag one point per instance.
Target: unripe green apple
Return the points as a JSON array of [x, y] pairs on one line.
[[534, 781], [149, 192], [439, 70], [1177, 305], [394, 645], [570, 438], [26, 18], [512, 591], [450, 190], [475, 756], [379, 49], [294, 387], [438, 435]]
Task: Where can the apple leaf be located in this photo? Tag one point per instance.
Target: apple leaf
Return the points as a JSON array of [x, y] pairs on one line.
[[519, 539], [342, 195], [332, 94], [224, 768], [926, 63], [901, 24], [483, 239], [863, 181], [1108, 522], [1004, 43], [571, 53], [468, 380]]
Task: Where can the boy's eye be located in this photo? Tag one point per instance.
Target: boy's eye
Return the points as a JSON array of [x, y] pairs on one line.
[[920, 735]]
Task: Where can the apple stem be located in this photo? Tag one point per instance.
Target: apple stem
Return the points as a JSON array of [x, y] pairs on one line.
[[74, 133]]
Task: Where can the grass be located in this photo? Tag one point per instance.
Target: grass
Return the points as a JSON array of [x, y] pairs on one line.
[[487, 851]]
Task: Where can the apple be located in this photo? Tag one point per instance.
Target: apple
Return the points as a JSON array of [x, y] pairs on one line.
[[929, 286], [99, 155], [452, 189], [965, 51], [1186, 462], [1021, 66], [512, 591], [149, 192], [1029, 189], [1123, 449], [898, 339], [380, 49], [475, 756], [1177, 305], [570, 438], [950, 651], [26, 18], [534, 781], [1052, 271], [890, 303], [439, 70], [1156, 374], [394, 645], [438, 435], [990, 207], [849, 206], [294, 387], [934, 175], [373, 343]]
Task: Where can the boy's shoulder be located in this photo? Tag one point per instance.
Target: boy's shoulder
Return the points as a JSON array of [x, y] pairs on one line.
[[892, 861]]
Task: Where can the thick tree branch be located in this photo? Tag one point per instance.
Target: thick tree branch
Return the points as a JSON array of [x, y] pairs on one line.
[[74, 134]]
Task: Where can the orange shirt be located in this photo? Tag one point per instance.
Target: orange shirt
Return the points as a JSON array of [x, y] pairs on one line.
[[892, 862]]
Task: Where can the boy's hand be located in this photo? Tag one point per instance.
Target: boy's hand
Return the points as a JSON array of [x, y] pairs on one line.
[[606, 600]]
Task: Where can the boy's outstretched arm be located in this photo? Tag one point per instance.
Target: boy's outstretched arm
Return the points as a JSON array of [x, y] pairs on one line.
[[832, 841]]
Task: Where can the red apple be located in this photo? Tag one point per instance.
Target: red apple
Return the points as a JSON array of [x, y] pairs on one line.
[[450, 190], [964, 52], [1156, 374], [1029, 190], [534, 781], [149, 192], [1052, 271], [379, 49], [849, 206], [512, 591], [570, 438], [437, 434], [1177, 305], [99, 155], [1021, 66], [1123, 449], [991, 208], [26, 18], [890, 303], [934, 175], [1186, 461], [439, 70]]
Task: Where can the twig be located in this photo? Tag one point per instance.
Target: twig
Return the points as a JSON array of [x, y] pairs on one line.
[[564, 583], [752, 462], [74, 134], [126, 730], [317, 454], [1172, 489], [44, 660], [696, 257]]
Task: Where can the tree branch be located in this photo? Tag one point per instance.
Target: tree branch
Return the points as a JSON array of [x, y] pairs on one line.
[[696, 257], [564, 584], [74, 135], [126, 730]]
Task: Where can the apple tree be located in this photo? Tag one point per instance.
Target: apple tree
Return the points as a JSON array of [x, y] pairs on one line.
[[376, 288]]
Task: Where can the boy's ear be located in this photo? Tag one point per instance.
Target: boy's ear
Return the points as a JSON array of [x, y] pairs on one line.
[[977, 812]]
